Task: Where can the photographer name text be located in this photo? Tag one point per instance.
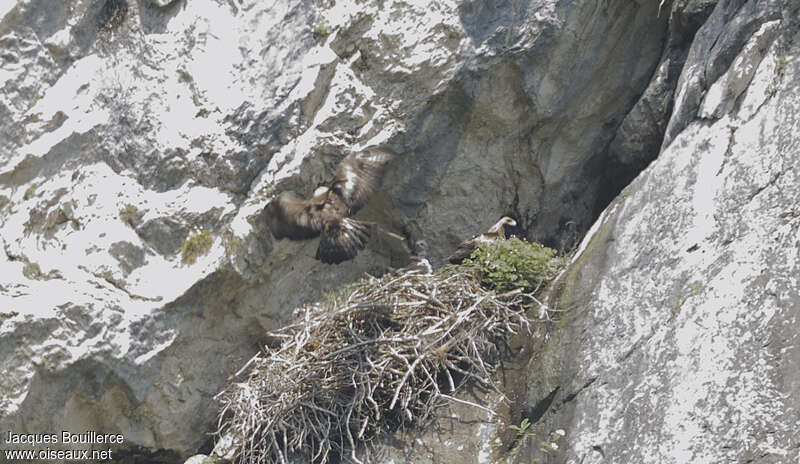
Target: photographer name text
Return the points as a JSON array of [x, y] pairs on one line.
[[90, 438], [43, 451]]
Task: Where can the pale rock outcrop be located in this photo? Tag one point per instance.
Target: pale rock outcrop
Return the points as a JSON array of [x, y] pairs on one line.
[[680, 343]]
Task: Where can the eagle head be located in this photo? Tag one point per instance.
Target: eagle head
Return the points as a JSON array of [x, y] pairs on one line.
[[499, 229], [507, 221]]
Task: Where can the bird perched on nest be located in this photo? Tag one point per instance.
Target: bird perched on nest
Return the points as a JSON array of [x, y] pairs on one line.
[[496, 232], [328, 211], [417, 265]]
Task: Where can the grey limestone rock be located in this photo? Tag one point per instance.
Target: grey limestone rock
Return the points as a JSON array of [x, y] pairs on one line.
[[680, 343], [129, 127]]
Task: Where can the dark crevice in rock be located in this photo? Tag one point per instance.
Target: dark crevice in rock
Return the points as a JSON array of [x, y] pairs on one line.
[[769, 183], [632, 349], [540, 409], [112, 14], [575, 394], [639, 137]]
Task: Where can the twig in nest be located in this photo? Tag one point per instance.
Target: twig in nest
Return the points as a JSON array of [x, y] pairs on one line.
[[385, 355]]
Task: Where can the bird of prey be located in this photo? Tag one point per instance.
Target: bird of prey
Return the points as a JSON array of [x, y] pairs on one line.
[[328, 211], [496, 232], [417, 265]]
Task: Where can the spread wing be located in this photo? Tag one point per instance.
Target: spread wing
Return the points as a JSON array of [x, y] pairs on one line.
[[360, 174], [357, 177], [342, 240], [292, 217]]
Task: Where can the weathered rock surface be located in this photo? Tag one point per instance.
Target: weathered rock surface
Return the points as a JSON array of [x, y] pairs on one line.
[[129, 127], [681, 340]]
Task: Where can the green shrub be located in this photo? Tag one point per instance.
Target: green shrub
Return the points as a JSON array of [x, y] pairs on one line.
[[506, 265], [131, 215], [32, 271], [196, 245], [525, 436], [321, 29]]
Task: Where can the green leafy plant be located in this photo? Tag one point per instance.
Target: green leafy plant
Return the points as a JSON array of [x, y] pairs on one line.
[[522, 428], [505, 265], [321, 28], [780, 72], [131, 215], [551, 444], [32, 271], [196, 245], [525, 435], [233, 245]]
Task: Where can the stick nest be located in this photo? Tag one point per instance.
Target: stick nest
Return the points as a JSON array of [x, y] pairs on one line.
[[378, 355]]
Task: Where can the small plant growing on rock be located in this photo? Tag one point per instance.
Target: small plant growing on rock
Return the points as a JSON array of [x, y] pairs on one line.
[[321, 29], [782, 63], [29, 193], [526, 436], [780, 72], [196, 245], [131, 215], [551, 444], [32, 271], [233, 245], [508, 264]]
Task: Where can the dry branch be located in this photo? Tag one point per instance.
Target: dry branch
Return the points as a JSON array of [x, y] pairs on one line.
[[384, 354]]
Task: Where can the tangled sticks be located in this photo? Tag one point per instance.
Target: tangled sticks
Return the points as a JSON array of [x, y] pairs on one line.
[[379, 354]]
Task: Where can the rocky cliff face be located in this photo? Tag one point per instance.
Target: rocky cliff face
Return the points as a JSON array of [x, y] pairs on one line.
[[141, 140], [680, 343]]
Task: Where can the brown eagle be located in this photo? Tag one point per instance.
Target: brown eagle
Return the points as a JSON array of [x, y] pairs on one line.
[[496, 232], [328, 211]]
